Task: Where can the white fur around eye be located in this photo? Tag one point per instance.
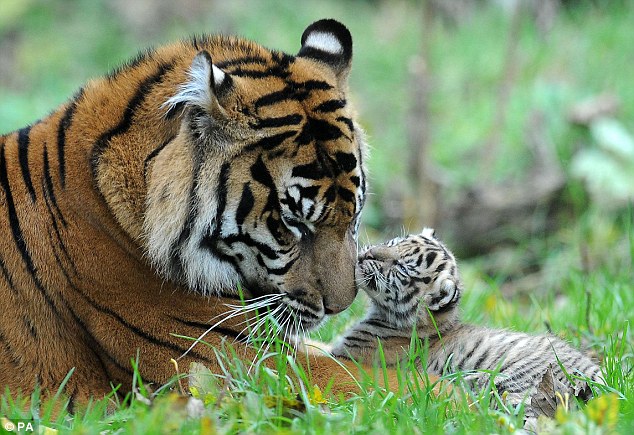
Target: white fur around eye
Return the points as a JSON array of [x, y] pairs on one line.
[[325, 42], [401, 268], [294, 193]]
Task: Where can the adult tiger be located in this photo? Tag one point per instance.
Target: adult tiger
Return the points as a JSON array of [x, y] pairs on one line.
[[191, 169]]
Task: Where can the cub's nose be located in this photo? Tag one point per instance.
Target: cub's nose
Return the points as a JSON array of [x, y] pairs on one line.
[[367, 255], [378, 253]]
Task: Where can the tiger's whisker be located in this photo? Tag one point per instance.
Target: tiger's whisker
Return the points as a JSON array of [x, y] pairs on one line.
[[229, 315]]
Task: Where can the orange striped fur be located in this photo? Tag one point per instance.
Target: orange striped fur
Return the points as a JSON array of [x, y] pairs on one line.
[[133, 211]]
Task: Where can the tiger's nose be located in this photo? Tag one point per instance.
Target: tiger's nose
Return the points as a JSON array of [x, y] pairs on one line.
[[333, 309]]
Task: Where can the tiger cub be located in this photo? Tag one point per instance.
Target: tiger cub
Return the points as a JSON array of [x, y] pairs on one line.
[[414, 282]]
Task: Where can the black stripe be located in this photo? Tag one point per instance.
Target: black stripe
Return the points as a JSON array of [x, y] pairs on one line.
[[353, 345], [96, 346], [346, 161], [305, 307], [303, 312], [48, 189], [293, 91], [222, 190], [407, 298], [358, 339], [280, 121], [509, 383], [429, 259], [247, 200], [380, 324], [263, 248], [270, 142], [273, 98], [257, 74], [322, 130], [210, 241], [154, 153], [346, 195], [242, 61], [15, 359], [18, 236], [7, 277], [128, 114], [30, 327], [363, 181], [261, 174], [310, 171], [313, 85], [136, 330], [347, 121], [64, 125], [60, 242], [480, 360], [459, 364], [23, 155], [280, 271], [330, 106]]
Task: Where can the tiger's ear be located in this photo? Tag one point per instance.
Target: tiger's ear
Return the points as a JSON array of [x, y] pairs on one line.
[[329, 42], [204, 88]]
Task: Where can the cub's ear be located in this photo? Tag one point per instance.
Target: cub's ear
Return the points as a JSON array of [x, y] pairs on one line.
[[204, 88], [329, 42], [430, 233]]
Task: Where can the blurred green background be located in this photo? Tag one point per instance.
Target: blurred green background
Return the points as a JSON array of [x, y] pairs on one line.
[[506, 124]]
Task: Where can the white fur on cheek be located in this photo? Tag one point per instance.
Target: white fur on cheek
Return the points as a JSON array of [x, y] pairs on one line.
[[325, 42], [167, 202], [167, 210], [204, 271]]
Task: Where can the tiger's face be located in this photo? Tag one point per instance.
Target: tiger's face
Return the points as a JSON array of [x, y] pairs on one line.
[[407, 278], [264, 184]]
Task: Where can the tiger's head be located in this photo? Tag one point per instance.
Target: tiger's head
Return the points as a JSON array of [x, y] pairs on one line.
[[263, 184], [410, 280]]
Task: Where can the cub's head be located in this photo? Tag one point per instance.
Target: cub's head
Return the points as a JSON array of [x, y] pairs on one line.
[[263, 184], [407, 278]]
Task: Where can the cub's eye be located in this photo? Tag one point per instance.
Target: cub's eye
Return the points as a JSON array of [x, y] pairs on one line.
[[401, 268]]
